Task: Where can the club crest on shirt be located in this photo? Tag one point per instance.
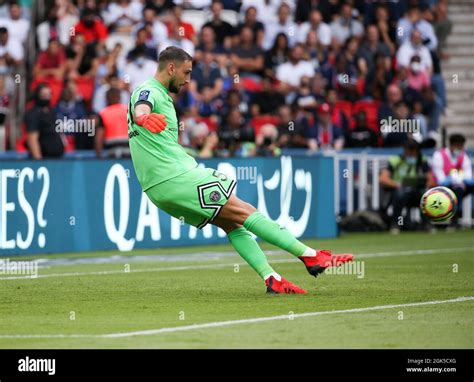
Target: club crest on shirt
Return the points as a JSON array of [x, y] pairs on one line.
[[143, 96], [215, 196]]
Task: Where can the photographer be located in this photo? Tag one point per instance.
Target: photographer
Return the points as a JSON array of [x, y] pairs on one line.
[[405, 179]]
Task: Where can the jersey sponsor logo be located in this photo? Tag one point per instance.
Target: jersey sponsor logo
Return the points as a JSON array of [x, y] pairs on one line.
[[132, 134], [143, 96], [215, 196]]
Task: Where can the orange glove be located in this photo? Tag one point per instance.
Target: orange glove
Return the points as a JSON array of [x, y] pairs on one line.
[[153, 122]]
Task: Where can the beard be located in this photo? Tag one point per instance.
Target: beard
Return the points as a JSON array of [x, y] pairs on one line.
[[173, 87]]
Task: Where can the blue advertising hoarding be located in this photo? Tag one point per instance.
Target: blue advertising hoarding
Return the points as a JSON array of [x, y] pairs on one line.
[[86, 205]]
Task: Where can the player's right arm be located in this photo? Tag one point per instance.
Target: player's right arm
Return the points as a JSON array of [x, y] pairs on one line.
[[143, 116]]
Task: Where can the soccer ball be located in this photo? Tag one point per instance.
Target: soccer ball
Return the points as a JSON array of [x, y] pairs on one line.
[[439, 204]]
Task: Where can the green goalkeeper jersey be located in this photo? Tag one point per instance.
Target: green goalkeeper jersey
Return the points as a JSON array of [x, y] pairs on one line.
[[156, 157]]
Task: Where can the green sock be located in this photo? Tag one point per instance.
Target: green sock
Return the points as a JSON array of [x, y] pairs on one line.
[[272, 233], [250, 251]]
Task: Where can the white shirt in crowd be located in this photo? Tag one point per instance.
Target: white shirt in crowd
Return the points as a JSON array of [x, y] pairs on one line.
[[159, 31], [323, 31], [64, 27], [114, 12], [14, 48], [407, 50], [272, 30], [135, 74], [183, 43], [292, 74], [437, 164], [17, 29]]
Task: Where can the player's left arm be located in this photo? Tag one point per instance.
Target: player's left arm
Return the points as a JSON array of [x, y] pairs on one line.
[[143, 116]]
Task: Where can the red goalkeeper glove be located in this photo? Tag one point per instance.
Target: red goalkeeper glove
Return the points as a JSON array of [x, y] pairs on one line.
[[153, 122]]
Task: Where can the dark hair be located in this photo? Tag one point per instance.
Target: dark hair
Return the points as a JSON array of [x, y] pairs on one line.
[[172, 53], [457, 139], [411, 145], [3, 30]]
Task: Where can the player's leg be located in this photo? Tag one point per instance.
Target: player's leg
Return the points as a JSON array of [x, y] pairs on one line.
[[250, 251], [240, 212]]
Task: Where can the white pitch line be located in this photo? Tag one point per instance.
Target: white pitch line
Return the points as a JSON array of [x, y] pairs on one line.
[[220, 324], [223, 265]]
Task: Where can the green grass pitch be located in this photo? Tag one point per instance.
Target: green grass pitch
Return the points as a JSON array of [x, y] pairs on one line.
[[166, 301]]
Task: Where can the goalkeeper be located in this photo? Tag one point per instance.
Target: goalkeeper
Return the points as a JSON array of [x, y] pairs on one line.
[[175, 184]]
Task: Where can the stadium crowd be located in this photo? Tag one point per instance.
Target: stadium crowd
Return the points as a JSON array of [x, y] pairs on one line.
[[268, 74]]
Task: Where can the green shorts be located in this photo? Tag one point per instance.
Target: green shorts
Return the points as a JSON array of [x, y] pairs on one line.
[[195, 197]]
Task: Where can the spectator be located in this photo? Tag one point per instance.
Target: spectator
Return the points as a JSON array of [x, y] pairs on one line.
[[361, 135], [120, 16], [378, 80], [266, 141], [81, 59], [157, 31], [284, 24], [327, 8], [373, 49], [91, 27], [293, 132], [415, 47], [4, 109], [328, 135], [385, 28], [442, 26], [417, 77], [247, 56], [345, 26], [277, 55], [206, 73], [18, 27], [141, 42], [405, 179], [70, 109], [452, 168], [43, 140], [338, 118], [11, 50], [178, 38], [266, 9], [112, 132], [394, 95], [222, 29], [234, 132], [51, 62], [291, 72], [177, 26], [207, 43], [99, 100], [395, 130], [268, 100], [413, 21], [140, 68], [317, 25], [58, 25], [202, 142], [250, 20]]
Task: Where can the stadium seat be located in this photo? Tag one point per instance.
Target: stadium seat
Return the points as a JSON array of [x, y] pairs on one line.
[[258, 122], [196, 18], [345, 107], [371, 109], [211, 124], [55, 85], [85, 87]]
